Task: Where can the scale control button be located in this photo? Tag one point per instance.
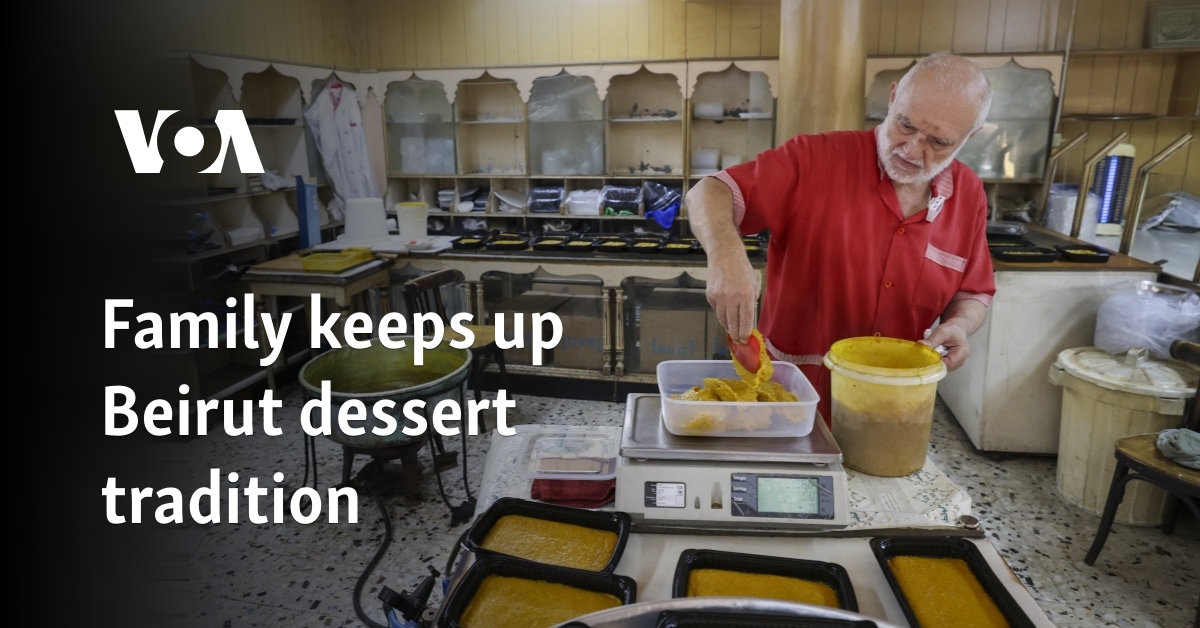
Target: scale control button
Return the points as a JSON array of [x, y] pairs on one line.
[[740, 488], [738, 477], [738, 499]]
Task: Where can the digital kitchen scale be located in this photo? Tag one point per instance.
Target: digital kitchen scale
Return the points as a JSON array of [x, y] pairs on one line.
[[732, 482]]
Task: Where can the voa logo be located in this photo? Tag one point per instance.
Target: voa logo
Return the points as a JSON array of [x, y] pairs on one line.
[[189, 141]]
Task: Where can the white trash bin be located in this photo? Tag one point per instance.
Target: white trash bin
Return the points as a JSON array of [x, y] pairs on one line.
[[1106, 397]]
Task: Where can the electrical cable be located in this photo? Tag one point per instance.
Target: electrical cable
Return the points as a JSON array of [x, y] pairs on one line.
[[362, 578], [455, 514]]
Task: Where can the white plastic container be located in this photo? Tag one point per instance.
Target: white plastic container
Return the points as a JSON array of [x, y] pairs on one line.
[[572, 455], [734, 418]]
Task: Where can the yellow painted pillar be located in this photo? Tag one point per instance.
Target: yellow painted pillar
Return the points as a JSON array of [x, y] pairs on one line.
[[822, 67]]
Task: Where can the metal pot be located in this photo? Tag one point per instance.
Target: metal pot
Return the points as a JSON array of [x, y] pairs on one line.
[[646, 614], [377, 373]]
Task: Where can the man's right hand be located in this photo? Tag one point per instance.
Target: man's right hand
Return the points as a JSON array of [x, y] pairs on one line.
[[732, 284], [732, 290]]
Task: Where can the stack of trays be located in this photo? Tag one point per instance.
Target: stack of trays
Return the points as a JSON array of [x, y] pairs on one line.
[[621, 198], [539, 564], [545, 199]]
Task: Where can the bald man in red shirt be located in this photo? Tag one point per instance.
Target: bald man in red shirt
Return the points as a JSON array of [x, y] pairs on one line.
[[877, 232]]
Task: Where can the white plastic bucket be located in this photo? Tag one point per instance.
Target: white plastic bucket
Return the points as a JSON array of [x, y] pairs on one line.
[[882, 392], [411, 220]]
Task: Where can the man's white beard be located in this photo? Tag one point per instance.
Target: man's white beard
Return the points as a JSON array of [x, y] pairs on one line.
[[927, 172]]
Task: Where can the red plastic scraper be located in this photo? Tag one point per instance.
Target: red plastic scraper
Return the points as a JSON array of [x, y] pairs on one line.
[[747, 355]]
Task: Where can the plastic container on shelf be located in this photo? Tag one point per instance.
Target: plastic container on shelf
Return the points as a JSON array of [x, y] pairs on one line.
[[882, 392], [1107, 397], [755, 419]]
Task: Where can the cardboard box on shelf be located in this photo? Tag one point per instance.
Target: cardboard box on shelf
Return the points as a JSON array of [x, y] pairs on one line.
[[525, 305], [672, 326], [582, 343]]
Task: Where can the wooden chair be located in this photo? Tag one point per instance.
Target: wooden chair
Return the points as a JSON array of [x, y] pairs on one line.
[[424, 294], [1138, 458]]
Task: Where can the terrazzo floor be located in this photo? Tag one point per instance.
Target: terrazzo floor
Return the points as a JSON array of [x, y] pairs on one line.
[[306, 575]]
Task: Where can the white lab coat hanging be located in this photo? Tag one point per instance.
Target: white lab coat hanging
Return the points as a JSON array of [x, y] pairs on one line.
[[335, 118]]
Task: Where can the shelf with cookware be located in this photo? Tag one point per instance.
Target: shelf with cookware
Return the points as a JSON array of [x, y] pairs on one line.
[[565, 148]]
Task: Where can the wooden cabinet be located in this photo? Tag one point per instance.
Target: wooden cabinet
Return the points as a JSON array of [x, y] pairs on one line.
[[569, 148], [211, 227], [645, 125], [732, 117]]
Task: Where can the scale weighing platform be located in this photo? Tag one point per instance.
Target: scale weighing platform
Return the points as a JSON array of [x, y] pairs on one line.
[[730, 482]]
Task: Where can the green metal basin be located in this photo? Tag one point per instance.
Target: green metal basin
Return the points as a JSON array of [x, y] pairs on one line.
[[377, 373]]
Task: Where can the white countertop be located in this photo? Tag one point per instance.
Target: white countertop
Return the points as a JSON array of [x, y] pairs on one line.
[[923, 502]]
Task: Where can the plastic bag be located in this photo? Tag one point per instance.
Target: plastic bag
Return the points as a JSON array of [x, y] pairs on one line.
[[1150, 315]]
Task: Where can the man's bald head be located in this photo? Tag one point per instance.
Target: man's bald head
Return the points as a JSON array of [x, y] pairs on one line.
[[951, 76]]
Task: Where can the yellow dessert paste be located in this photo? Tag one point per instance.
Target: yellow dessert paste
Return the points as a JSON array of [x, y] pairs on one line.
[[510, 601], [944, 592], [551, 542], [724, 582]]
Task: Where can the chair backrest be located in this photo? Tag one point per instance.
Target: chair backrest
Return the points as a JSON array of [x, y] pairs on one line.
[[1188, 351], [423, 295]]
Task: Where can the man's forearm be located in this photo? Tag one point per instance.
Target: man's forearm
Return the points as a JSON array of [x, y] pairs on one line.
[[967, 314]]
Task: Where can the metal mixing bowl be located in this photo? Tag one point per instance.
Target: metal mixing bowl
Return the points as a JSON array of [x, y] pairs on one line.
[[376, 373]]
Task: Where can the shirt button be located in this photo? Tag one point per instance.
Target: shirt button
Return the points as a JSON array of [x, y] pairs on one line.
[[887, 284], [900, 231]]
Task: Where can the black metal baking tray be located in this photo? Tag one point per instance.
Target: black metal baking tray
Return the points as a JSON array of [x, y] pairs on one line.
[[611, 244], [645, 245], [755, 249], [750, 619], [549, 243], [1009, 242], [469, 241], [831, 574], [579, 245], [623, 588], [673, 247], [615, 521], [961, 548], [1024, 254], [1006, 228], [1083, 253], [507, 243]]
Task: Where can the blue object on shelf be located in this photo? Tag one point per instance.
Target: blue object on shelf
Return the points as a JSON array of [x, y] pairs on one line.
[[664, 217], [306, 207]]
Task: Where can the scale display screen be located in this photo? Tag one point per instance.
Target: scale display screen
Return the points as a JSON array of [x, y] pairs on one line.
[[790, 495], [795, 496]]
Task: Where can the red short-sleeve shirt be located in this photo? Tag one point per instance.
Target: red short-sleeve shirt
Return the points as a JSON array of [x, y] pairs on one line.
[[843, 260]]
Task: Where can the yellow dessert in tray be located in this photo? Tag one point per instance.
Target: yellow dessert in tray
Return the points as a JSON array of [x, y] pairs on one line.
[[511, 601], [551, 542], [945, 592], [725, 582]]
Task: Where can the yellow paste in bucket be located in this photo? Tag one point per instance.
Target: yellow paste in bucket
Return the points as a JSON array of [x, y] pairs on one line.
[[725, 582], [551, 542], [944, 592], [510, 601]]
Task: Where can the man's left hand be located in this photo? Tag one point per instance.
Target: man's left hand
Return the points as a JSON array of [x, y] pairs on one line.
[[954, 339]]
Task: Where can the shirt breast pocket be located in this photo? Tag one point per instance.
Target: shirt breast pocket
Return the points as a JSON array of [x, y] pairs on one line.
[[941, 276]]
